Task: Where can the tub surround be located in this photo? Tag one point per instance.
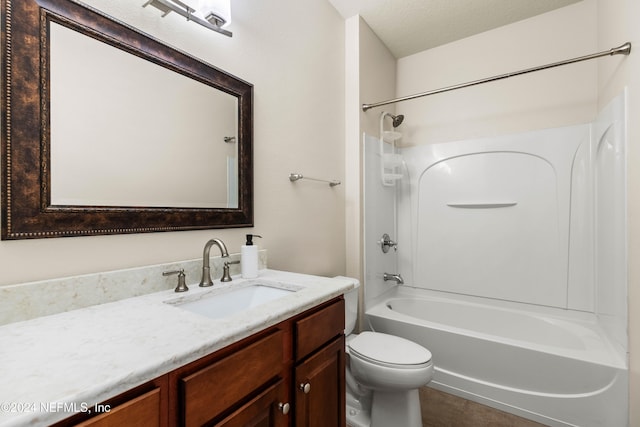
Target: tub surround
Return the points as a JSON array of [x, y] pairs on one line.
[[545, 263], [35, 299], [88, 355]]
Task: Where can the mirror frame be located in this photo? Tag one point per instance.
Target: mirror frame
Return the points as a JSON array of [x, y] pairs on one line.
[[26, 209]]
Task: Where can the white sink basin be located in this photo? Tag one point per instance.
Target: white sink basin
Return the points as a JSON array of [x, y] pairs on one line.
[[227, 302]]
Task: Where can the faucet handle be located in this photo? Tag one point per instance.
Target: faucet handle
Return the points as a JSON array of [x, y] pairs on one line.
[[386, 243], [226, 277], [182, 286]]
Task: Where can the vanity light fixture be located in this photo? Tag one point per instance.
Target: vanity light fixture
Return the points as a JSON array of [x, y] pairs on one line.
[[213, 14]]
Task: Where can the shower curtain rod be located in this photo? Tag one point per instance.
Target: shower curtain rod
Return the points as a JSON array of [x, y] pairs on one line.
[[624, 49]]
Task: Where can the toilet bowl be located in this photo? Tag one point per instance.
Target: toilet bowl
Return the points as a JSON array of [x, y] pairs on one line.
[[384, 373]]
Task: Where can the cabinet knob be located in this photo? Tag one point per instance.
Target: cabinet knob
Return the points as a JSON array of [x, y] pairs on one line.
[[284, 408], [305, 387]]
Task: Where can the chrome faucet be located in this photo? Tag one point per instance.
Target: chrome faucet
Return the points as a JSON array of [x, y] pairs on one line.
[[396, 277], [206, 270]]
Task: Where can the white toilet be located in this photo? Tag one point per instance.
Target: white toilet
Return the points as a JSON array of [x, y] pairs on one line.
[[384, 373]]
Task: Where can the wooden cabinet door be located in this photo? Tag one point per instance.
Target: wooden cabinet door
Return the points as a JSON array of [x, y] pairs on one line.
[[320, 388], [267, 409]]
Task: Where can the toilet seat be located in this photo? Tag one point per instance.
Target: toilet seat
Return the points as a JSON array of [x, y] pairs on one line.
[[389, 351]]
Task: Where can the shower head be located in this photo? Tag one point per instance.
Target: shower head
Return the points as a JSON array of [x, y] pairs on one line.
[[397, 120]]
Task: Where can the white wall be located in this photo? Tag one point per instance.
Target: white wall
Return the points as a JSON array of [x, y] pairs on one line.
[[552, 98], [293, 53], [617, 23]]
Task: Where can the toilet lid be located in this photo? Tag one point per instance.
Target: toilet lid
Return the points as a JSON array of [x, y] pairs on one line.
[[389, 349]]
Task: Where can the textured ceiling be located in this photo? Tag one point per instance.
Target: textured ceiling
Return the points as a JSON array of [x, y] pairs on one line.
[[410, 26]]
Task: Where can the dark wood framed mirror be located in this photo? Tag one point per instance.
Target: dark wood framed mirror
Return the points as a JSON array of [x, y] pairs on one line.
[[56, 137]]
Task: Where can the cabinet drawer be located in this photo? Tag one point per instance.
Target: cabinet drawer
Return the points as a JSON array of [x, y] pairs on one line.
[[142, 411], [318, 328], [217, 387]]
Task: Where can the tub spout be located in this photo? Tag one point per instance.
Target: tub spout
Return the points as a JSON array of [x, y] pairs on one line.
[[395, 277]]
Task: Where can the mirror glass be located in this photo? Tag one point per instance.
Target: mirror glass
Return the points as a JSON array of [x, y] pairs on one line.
[[125, 132], [106, 130]]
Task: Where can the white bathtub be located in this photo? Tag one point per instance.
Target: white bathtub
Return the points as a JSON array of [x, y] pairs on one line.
[[553, 366]]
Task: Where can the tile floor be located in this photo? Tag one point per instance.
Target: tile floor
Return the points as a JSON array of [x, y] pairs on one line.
[[441, 409]]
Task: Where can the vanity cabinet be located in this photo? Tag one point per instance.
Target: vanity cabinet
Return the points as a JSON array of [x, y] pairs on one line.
[[291, 374]]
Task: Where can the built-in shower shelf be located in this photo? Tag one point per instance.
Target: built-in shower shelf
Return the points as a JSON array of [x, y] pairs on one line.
[[483, 205]]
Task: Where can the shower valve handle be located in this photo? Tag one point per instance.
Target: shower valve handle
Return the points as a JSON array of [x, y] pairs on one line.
[[386, 243]]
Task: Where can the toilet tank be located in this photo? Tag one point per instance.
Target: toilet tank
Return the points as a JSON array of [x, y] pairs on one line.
[[350, 306]]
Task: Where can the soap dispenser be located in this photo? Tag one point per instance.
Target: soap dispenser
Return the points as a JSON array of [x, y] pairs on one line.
[[249, 258]]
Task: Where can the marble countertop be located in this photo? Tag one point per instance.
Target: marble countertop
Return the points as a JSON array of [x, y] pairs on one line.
[[55, 365]]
